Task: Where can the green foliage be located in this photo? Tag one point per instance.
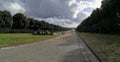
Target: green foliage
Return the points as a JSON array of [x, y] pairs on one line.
[[5, 19], [41, 25], [103, 20], [19, 23]]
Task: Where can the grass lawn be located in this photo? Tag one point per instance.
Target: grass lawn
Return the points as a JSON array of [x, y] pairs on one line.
[[17, 39], [106, 46]]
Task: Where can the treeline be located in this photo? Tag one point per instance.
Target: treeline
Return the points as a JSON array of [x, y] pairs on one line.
[[103, 20], [19, 23]]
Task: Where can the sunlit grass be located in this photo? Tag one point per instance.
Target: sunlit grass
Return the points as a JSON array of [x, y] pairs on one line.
[[106, 46], [16, 39]]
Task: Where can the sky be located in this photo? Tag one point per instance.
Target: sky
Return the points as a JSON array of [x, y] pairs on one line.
[[66, 13]]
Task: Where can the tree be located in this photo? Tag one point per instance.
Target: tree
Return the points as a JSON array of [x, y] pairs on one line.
[[103, 20], [20, 21], [5, 19]]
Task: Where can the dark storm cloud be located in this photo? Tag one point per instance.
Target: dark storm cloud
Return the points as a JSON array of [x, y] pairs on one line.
[[62, 12], [48, 8]]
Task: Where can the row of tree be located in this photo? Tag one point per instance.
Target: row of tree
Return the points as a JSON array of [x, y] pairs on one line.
[[103, 20], [20, 23]]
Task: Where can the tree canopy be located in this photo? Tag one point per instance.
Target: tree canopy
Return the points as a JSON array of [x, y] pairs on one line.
[[5, 19], [20, 23], [103, 20]]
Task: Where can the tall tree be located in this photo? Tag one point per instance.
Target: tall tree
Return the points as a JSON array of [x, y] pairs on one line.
[[20, 21], [5, 19], [103, 20]]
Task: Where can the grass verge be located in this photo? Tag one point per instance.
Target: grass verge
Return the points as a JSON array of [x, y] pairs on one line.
[[17, 39], [106, 46]]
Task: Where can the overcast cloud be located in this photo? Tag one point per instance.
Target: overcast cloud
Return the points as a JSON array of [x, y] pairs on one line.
[[67, 13]]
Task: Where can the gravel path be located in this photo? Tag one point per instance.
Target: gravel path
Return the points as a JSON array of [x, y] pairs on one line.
[[66, 48]]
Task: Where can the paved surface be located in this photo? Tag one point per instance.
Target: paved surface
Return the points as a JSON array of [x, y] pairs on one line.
[[66, 48]]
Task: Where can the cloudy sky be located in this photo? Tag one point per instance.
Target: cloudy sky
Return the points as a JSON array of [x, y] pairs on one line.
[[67, 13]]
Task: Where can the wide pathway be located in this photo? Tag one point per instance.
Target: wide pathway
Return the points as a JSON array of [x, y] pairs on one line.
[[66, 48]]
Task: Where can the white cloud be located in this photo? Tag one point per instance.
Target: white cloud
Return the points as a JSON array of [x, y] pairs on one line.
[[17, 6], [97, 4], [60, 22], [62, 12], [14, 6]]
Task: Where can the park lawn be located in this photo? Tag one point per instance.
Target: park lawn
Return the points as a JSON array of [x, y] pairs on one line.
[[106, 46], [17, 39]]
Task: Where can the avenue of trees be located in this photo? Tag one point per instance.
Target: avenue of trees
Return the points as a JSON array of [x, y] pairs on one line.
[[103, 20], [19, 23]]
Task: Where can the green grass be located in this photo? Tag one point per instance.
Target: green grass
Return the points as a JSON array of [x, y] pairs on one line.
[[17, 39], [106, 46]]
